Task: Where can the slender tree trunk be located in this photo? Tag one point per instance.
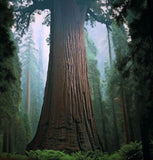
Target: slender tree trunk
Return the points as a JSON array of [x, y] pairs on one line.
[[116, 133], [67, 121], [115, 127], [125, 116], [5, 139], [103, 121], [10, 138], [109, 46], [104, 129], [131, 129], [28, 92]]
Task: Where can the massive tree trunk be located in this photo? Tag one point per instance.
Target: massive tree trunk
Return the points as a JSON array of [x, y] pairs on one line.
[[67, 121]]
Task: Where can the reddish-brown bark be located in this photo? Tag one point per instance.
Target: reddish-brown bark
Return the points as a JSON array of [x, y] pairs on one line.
[[67, 121]]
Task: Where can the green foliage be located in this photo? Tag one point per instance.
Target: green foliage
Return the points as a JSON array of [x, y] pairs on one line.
[[119, 81], [137, 15], [7, 47], [19, 134], [132, 151], [11, 109], [28, 128], [48, 155], [115, 156], [96, 11], [95, 155], [10, 91]]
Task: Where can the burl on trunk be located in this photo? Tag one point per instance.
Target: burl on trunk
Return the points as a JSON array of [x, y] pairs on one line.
[[67, 121]]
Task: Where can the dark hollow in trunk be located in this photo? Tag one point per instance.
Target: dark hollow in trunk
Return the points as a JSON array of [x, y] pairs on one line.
[[67, 121]]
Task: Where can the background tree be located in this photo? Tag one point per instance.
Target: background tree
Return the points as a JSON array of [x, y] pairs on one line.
[[11, 124], [32, 84], [95, 88], [7, 47], [137, 15]]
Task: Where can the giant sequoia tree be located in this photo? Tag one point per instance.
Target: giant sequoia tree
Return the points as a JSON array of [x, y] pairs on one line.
[[67, 121]]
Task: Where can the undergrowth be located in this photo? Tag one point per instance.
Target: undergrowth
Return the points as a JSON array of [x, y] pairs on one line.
[[132, 151]]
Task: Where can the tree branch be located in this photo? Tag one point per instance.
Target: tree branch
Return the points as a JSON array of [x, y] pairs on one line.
[[23, 14], [103, 18]]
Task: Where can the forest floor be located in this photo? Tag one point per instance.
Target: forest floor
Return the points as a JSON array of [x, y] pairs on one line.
[[7, 158], [129, 151], [11, 159]]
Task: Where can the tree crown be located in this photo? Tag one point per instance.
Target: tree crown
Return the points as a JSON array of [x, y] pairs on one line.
[[25, 9]]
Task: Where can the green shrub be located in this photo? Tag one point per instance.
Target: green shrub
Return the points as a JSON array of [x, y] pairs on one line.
[[132, 151], [57, 155], [78, 155], [45, 155], [95, 155], [114, 156]]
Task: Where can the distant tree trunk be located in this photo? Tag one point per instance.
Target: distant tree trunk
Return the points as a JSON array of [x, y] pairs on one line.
[[67, 121], [10, 138], [115, 127], [28, 92], [116, 133], [109, 46], [108, 38], [7, 138], [125, 116], [105, 143], [104, 129], [131, 129]]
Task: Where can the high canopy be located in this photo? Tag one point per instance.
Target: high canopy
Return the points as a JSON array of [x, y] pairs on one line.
[[24, 11]]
